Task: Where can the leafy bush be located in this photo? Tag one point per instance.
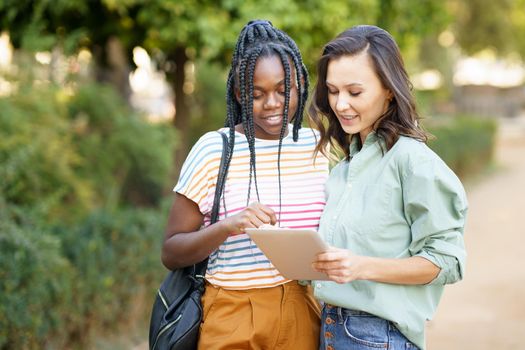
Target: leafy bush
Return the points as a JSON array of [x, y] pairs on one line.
[[466, 143], [69, 154], [37, 154], [36, 280], [61, 283], [116, 255], [127, 159], [81, 219]]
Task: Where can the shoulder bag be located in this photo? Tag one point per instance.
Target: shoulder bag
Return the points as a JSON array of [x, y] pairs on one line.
[[177, 311]]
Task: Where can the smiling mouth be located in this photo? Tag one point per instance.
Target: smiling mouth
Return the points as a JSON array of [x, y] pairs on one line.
[[348, 117], [273, 118]]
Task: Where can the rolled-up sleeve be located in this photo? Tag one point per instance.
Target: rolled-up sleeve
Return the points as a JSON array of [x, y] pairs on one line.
[[435, 207]]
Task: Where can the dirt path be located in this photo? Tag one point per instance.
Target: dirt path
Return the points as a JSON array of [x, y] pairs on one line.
[[487, 309]]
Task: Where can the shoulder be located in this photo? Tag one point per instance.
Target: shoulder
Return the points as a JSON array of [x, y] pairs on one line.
[[416, 160], [205, 153], [211, 137], [207, 144], [409, 152]]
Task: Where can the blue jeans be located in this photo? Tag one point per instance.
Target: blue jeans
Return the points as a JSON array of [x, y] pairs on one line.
[[357, 330]]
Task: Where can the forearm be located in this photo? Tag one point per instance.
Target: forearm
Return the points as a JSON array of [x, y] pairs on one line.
[[410, 271], [187, 248], [186, 243]]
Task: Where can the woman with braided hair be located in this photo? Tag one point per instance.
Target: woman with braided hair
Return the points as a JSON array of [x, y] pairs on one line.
[[271, 177]]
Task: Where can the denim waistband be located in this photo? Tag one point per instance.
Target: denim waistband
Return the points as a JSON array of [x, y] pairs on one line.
[[346, 312]]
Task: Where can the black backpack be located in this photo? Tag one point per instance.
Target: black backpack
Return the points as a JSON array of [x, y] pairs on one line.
[[177, 310]]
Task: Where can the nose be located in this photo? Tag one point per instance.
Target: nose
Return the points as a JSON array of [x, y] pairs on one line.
[[273, 101], [342, 103]]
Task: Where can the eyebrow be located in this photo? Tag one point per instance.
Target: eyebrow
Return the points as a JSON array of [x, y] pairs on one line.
[[347, 85], [260, 88]]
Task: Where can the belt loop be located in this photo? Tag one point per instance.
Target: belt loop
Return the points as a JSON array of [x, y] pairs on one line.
[[340, 315]]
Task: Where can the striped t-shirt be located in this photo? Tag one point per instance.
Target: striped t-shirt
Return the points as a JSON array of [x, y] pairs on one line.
[[238, 263]]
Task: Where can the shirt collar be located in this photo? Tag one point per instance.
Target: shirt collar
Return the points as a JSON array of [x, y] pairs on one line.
[[371, 139]]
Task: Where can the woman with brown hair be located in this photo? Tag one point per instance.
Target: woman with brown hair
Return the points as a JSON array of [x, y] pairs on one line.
[[394, 214]]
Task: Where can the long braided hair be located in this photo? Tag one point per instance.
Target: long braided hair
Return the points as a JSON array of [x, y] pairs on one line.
[[259, 38]]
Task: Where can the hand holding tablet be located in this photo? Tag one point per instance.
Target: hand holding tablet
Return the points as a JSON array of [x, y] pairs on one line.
[[291, 251]]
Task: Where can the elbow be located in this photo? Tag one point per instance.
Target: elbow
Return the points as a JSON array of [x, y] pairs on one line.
[[432, 274], [455, 275], [449, 274], [177, 257], [172, 262], [171, 256], [167, 259], [455, 270]]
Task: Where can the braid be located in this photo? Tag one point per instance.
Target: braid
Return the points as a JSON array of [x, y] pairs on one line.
[[232, 107], [250, 35], [260, 39], [304, 83], [248, 121], [287, 88], [262, 32], [301, 78]]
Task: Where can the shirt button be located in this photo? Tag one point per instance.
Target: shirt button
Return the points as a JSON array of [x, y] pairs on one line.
[[349, 185], [329, 347], [318, 285], [329, 320], [328, 335]]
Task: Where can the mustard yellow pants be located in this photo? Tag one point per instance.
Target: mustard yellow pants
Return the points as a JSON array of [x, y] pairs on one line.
[[282, 317]]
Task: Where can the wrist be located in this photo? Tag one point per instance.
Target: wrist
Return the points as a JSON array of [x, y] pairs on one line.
[[226, 227], [368, 268]]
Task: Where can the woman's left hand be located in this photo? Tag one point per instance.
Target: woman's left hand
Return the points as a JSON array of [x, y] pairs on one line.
[[341, 265]]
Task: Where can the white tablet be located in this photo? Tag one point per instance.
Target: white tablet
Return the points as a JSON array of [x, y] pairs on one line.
[[291, 251]]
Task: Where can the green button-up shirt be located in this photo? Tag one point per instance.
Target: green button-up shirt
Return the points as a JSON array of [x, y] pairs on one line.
[[402, 203]]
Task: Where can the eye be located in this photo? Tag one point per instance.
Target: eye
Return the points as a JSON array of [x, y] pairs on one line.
[[332, 92], [355, 94], [257, 96]]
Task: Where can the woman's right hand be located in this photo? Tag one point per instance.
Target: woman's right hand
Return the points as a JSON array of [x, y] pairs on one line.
[[253, 216], [187, 242]]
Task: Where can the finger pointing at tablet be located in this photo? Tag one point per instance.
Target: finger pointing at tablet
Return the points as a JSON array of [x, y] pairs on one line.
[[255, 215]]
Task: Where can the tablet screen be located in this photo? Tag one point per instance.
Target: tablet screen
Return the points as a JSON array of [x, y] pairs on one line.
[[291, 251]]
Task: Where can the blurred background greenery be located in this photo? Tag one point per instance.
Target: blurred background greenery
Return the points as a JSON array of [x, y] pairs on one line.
[[100, 101]]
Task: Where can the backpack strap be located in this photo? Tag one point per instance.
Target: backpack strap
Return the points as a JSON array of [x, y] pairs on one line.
[[199, 269]]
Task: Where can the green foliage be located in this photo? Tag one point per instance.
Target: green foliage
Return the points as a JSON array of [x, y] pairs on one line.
[[209, 112], [116, 258], [35, 287], [37, 154], [177, 31], [62, 282], [411, 21], [128, 159], [68, 154], [81, 220], [208, 29], [484, 23], [465, 143]]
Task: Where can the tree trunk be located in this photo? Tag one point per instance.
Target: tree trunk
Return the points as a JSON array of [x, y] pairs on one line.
[[112, 66], [181, 120]]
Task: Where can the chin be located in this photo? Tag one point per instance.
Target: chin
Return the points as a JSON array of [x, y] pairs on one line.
[[350, 130]]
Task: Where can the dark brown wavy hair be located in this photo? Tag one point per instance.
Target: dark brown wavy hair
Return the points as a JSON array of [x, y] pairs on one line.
[[400, 118]]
